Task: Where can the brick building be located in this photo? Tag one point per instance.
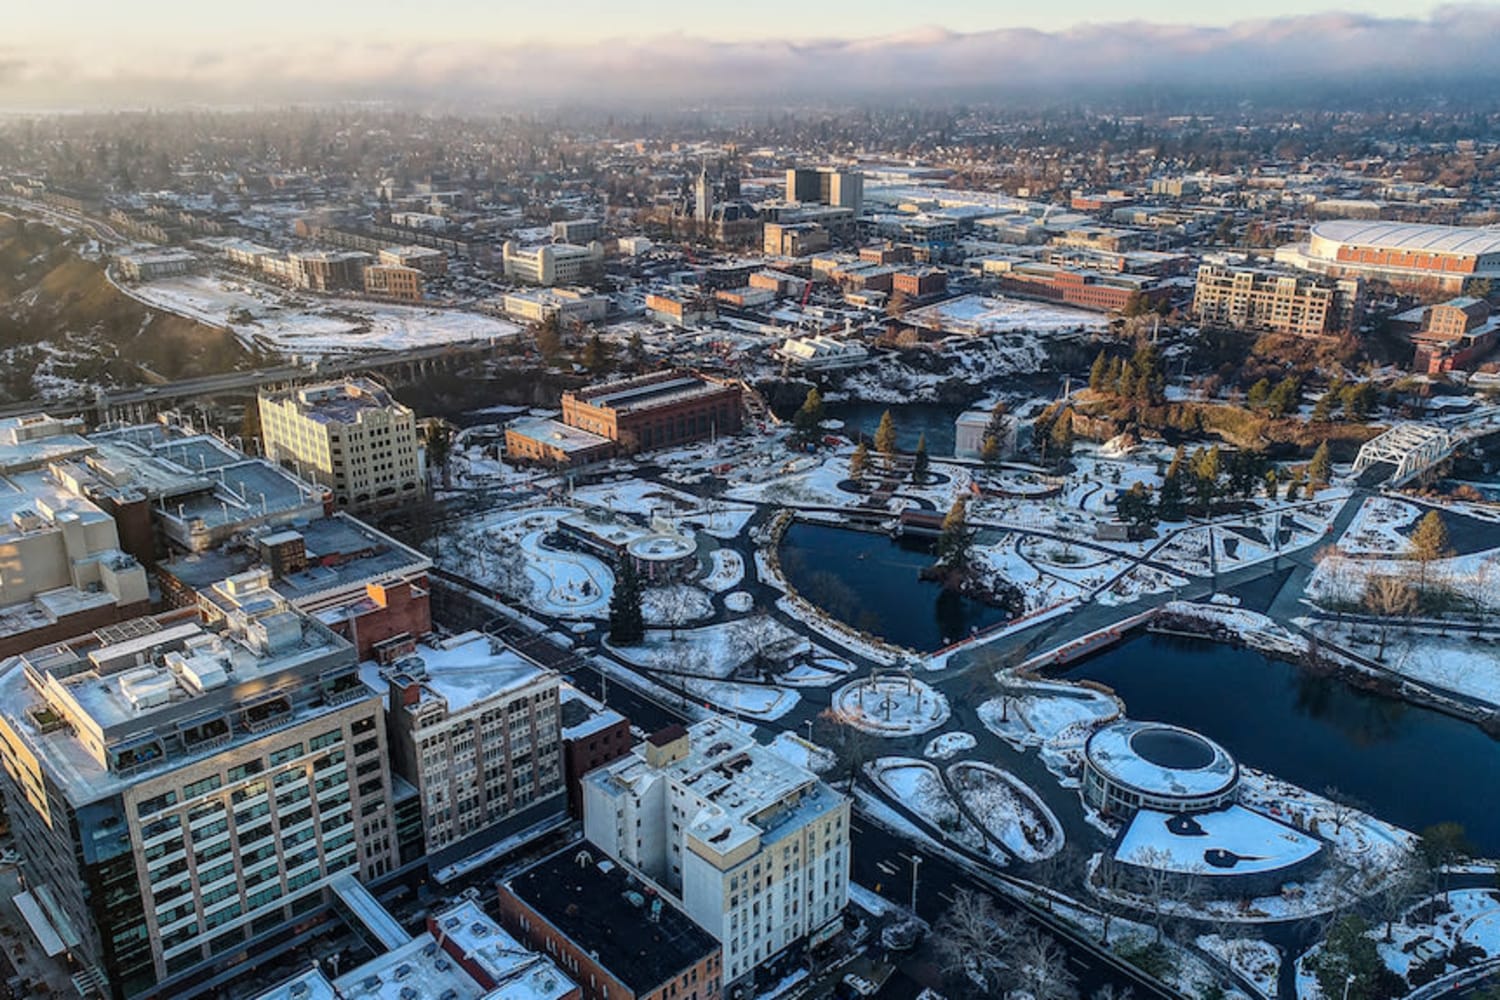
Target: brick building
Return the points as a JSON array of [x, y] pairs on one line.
[[1454, 334], [660, 410], [919, 283], [392, 281], [617, 936], [1083, 288], [592, 736]]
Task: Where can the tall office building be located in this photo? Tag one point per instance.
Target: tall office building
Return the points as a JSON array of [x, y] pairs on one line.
[[184, 788], [350, 436], [826, 186], [754, 848]]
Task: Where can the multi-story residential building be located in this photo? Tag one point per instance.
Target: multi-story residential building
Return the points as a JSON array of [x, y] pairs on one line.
[[351, 436], [392, 281], [793, 239], [655, 411], [592, 736], [620, 939], [681, 307], [554, 263], [476, 728], [1260, 299], [754, 848], [183, 790], [150, 265], [431, 262], [328, 270], [65, 570]]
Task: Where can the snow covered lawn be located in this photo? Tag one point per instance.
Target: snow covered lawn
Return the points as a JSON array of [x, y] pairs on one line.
[[949, 745], [676, 604], [803, 753], [727, 572], [917, 785], [1040, 712], [1465, 663], [891, 706], [1010, 811], [1258, 962]]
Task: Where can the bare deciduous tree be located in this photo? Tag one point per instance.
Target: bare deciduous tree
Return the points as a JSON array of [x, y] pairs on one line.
[[755, 640], [1040, 968], [974, 940], [1388, 598]]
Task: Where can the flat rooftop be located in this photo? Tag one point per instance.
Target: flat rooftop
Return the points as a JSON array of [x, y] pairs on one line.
[[556, 434], [629, 395], [463, 670], [513, 973], [338, 402], [603, 909], [1232, 841]]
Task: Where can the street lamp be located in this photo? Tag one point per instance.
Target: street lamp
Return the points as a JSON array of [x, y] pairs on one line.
[[809, 725], [1348, 982]]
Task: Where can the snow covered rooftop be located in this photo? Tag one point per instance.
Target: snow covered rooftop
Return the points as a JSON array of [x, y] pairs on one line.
[[1160, 760], [1231, 841], [472, 667]]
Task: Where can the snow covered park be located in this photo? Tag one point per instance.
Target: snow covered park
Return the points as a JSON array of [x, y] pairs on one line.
[[891, 705], [505, 551], [1035, 713]]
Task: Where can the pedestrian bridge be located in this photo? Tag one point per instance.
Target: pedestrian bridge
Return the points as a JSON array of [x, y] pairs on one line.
[[1408, 449]]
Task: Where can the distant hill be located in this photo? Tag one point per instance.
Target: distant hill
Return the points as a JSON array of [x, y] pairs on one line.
[[62, 322]]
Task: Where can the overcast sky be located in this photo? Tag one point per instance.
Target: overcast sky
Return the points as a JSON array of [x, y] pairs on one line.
[[159, 52], [585, 21]]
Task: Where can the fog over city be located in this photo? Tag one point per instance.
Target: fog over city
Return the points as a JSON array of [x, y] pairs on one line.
[[1257, 55]]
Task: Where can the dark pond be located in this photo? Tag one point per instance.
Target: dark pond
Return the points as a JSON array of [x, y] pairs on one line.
[[1410, 765], [871, 581]]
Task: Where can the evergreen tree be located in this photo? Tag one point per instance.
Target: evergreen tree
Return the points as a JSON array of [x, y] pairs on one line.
[[549, 337], [920, 461], [1285, 397], [1134, 506], [1170, 505], [637, 347], [808, 420], [1272, 484], [1321, 466], [1099, 372], [956, 539], [1259, 393], [859, 462], [885, 434], [627, 626]]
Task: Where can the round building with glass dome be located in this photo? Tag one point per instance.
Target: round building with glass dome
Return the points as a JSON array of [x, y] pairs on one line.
[[1130, 765]]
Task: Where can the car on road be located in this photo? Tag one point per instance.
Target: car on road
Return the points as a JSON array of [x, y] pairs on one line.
[[858, 986]]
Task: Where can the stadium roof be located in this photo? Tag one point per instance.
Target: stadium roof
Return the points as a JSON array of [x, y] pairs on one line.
[[1410, 236]]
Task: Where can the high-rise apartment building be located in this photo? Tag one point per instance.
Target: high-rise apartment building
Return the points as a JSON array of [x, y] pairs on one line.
[[825, 186], [476, 728], [184, 788], [1265, 300], [350, 436], [754, 848]]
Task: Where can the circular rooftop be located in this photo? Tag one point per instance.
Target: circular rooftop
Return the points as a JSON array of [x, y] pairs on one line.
[[1161, 761], [661, 547]]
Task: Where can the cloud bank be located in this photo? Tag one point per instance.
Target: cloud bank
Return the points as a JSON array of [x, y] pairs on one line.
[[1454, 46]]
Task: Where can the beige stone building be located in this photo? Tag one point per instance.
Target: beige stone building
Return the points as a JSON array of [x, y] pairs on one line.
[[351, 436], [754, 848], [475, 727], [1265, 300]]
